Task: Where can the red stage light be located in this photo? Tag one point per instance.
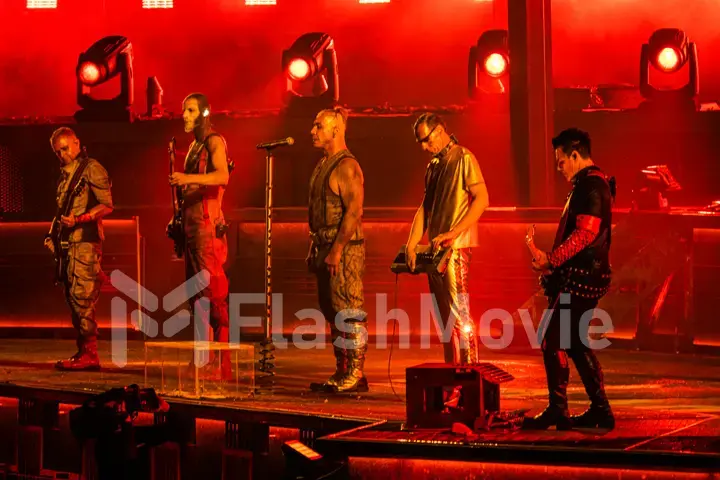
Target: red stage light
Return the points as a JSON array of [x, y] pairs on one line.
[[41, 4], [668, 59], [299, 69], [89, 73], [495, 65]]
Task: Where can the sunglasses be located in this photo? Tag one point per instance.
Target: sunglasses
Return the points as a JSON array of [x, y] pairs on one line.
[[427, 138]]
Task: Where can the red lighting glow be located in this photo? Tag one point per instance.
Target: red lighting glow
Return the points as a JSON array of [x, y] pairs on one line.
[[495, 64], [299, 69], [89, 73], [668, 59], [260, 2], [374, 1]]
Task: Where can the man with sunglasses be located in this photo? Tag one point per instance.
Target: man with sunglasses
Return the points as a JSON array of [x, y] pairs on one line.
[[337, 249], [455, 198]]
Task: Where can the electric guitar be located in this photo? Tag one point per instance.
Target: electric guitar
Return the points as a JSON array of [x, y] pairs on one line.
[[550, 280], [175, 230], [58, 234]]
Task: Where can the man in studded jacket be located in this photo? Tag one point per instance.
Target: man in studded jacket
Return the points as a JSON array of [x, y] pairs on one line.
[[576, 274]]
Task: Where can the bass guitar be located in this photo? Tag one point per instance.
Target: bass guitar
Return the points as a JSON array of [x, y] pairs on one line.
[[175, 230], [58, 234]]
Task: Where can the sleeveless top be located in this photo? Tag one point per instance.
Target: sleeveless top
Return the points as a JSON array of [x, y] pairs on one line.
[[202, 204], [326, 209]]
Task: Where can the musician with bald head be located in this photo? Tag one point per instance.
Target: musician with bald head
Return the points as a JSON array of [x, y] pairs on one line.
[[337, 249], [85, 186]]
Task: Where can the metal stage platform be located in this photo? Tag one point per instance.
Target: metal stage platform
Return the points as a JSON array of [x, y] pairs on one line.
[[667, 406]]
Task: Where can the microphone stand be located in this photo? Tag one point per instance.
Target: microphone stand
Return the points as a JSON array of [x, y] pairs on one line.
[[267, 350]]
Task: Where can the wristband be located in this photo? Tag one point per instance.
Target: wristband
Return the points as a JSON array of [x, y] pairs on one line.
[[84, 218]]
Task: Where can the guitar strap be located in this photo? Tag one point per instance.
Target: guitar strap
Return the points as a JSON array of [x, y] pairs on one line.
[[71, 185]]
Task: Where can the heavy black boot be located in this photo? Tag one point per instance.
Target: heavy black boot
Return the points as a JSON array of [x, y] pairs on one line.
[[556, 413], [599, 415]]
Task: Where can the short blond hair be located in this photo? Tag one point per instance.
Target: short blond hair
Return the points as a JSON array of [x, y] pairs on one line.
[[62, 132]]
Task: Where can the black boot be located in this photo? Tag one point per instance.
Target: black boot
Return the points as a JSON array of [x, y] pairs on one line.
[[556, 413], [599, 415]]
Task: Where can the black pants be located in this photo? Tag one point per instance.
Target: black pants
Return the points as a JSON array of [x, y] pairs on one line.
[[566, 335]]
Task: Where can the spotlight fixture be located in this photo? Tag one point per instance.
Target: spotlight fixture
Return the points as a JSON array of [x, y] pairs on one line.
[[653, 183], [105, 59], [488, 64], [311, 72], [667, 51]]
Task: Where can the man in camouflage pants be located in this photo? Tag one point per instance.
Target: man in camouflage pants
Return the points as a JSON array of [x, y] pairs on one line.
[[337, 255], [83, 275]]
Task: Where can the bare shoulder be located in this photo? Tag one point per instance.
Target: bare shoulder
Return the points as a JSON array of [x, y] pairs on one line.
[[349, 168], [215, 142]]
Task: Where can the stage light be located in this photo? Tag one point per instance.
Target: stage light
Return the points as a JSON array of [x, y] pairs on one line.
[[299, 69], [653, 183], [488, 64], [668, 59], [495, 65], [104, 60], [310, 69], [668, 50], [157, 3], [89, 73], [41, 4], [260, 2]]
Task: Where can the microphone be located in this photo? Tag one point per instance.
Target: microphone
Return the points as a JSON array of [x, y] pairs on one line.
[[276, 143]]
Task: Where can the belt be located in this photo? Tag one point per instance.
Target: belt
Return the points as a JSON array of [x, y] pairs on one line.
[[326, 236]]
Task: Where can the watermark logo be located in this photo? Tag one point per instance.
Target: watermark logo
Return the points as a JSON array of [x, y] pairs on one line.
[[453, 322], [149, 301]]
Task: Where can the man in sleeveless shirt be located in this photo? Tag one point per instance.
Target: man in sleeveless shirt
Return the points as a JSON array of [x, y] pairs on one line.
[[203, 182], [337, 250], [455, 198], [83, 276]]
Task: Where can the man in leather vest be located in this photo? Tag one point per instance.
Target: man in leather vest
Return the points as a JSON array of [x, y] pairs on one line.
[[337, 250], [455, 199], [576, 274], [206, 174], [83, 276]]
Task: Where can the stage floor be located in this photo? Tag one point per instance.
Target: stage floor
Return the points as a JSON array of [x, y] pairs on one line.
[[665, 404], [635, 381]]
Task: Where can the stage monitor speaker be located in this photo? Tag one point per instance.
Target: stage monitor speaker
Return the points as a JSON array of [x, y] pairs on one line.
[[440, 394]]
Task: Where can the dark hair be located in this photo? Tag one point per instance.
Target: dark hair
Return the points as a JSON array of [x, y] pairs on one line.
[[201, 100], [573, 139], [432, 120]]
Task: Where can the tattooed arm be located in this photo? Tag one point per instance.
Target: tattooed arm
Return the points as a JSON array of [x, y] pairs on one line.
[[350, 185], [351, 189]]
